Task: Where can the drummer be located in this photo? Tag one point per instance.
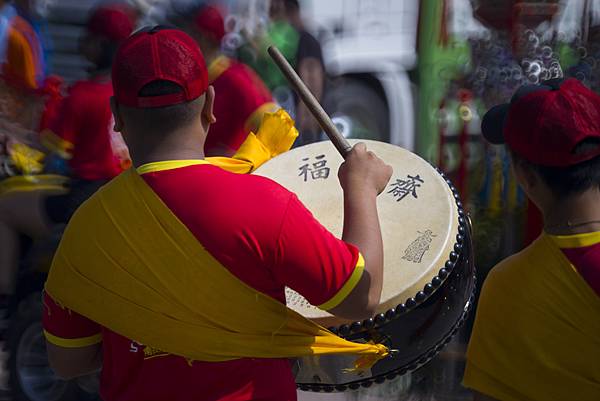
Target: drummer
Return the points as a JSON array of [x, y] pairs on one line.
[[536, 334], [242, 98], [250, 226], [81, 133]]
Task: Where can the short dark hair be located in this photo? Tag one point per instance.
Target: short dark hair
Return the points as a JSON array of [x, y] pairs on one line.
[[160, 120], [572, 180]]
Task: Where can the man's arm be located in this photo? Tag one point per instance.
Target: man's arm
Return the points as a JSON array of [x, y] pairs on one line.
[[342, 277], [69, 363], [363, 177], [73, 342]]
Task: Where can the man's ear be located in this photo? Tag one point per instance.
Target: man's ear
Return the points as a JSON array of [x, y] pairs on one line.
[[209, 103], [114, 107]]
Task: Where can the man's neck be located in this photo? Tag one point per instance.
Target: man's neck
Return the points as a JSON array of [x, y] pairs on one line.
[[574, 215], [184, 154], [181, 147]]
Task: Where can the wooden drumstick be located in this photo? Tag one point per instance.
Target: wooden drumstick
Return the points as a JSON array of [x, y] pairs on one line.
[[340, 143]]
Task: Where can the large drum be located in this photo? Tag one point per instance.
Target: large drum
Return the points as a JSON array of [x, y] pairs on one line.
[[429, 276]]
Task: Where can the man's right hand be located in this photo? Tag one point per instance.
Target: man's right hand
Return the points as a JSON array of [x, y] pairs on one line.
[[363, 170]]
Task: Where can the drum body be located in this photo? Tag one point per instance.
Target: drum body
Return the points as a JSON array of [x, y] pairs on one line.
[[429, 275]]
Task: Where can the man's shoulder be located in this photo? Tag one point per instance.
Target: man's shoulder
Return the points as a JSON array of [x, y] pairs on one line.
[[90, 89], [88, 205], [259, 186], [220, 173], [231, 187], [240, 74], [516, 267]]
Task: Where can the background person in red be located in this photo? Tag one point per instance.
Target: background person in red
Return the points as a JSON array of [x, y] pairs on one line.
[[83, 133], [241, 96], [249, 224]]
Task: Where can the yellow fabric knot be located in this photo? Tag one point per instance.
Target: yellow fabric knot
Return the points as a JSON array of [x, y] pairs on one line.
[[276, 135], [367, 361]]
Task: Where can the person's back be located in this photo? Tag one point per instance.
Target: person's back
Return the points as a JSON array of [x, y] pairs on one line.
[[264, 253], [538, 318], [192, 261], [83, 128], [241, 101]]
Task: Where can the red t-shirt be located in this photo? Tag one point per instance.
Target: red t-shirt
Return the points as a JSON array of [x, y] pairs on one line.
[[84, 130], [265, 237], [240, 99]]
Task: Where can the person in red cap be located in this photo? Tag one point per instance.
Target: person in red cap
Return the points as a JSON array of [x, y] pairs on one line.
[[82, 133], [175, 228], [242, 98], [536, 333]]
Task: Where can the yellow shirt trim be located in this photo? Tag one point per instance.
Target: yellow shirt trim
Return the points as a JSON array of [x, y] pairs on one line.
[[576, 240], [218, 67], [73, 342], [167, 165], [348, 287]]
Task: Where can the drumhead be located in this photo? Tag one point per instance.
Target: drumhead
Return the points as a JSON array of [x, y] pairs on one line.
[[417, 212]]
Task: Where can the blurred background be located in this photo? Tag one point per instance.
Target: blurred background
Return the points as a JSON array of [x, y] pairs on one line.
[[417, 74]]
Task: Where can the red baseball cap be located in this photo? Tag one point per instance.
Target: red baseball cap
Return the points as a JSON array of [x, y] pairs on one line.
[[209, 21], [114, 22], [544, 123], [158, 54]]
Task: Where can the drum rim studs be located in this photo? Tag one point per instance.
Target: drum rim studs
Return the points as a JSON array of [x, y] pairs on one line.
[[410, 303], [368, 323], [391, 375]]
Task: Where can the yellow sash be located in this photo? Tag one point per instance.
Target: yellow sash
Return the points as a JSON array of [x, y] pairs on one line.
[[126, 262], [537, 331], [276, 135]]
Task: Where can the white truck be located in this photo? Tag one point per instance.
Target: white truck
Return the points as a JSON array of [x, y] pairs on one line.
[[368, 48]]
